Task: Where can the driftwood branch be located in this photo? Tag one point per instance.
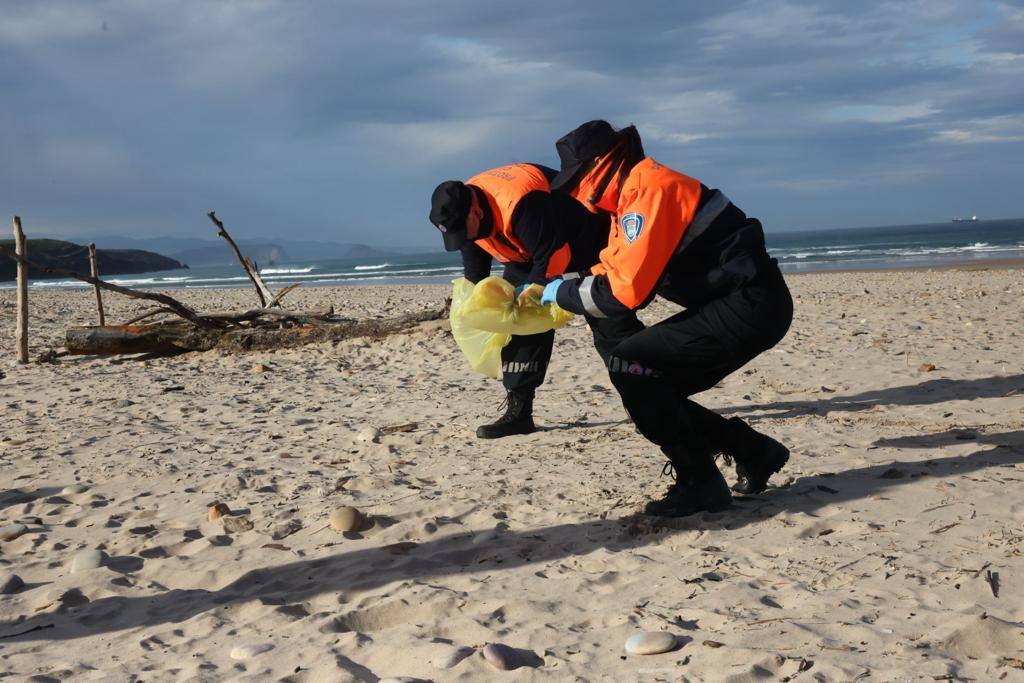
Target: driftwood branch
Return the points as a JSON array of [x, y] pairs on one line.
[[262, 291], [276, 301], [305, 317], [171, 303], [149, 314], [335, 330]]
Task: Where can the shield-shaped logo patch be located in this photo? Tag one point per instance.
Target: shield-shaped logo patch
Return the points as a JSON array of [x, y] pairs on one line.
[[632, 225]]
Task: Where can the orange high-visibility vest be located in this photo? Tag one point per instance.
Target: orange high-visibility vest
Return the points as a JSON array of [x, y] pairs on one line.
[[656, 205], [504, 187]]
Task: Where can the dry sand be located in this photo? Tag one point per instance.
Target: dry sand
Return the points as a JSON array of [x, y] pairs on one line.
[[877, 556]]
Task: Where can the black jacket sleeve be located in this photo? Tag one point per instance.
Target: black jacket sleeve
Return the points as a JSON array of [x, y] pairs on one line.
[[476, 263], [540, 236], [591, 294]]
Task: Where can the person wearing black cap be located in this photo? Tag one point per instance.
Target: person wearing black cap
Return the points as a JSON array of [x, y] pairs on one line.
[[509, 214], [673, 236]]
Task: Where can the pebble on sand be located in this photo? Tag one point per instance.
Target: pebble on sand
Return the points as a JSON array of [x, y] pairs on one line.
[[250, 651], [650, 643], [500, 656], [73, 489], [216, 511], [485, 537], [89, 558], [10, 583], [237, 525], [346, 519], [285, 529], [12, 531], [260, 368]]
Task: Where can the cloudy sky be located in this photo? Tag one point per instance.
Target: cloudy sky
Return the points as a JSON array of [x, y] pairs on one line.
[[334, 120]]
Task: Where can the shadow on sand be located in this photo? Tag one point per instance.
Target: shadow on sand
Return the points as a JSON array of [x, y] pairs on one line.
[[926, 393], [19, 496], [286, 585]]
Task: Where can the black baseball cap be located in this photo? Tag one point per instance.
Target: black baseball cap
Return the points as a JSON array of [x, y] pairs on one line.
[[581, 146], [449, 207]]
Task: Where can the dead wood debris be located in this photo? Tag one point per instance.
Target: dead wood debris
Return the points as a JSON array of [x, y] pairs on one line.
[[265, 328]]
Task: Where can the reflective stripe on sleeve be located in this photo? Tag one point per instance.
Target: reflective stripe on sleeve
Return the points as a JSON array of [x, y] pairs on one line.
[[570, 276], [704, 218], [587, 297]]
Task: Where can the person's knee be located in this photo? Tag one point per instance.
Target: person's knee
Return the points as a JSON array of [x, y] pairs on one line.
[[630, 375]]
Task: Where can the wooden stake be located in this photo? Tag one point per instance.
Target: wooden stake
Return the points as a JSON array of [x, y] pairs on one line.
[[21, 329], [262, 291], [95, 269]]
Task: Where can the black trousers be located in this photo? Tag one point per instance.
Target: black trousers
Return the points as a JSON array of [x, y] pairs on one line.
[[657, 369], [524, 360]]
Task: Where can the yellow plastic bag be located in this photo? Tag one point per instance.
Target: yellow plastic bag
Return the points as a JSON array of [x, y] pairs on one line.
[[486, 315], [481, 348]]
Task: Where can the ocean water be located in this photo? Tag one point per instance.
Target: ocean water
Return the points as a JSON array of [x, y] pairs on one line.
[[932, 244]]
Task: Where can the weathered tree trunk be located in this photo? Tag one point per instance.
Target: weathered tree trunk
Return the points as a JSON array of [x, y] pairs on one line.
[[21, 327], [95, 270], [181, 336], [172, 337]]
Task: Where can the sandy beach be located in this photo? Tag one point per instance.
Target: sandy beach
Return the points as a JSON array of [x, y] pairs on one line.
[[891, 548]]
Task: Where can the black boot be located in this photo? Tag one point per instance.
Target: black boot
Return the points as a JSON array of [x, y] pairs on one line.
[[757, 456], [699, 487], [518, 417]]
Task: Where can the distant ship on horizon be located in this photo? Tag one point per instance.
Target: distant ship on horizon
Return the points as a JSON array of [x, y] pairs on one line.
[[972, 219]]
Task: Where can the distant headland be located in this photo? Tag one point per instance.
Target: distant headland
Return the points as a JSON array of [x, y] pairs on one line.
[[71, 256]]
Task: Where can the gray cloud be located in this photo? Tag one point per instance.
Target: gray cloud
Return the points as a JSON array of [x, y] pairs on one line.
[[335, 120]]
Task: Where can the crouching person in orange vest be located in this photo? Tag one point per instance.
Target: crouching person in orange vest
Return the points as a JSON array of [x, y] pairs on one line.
[[509, 214], [674, 237]]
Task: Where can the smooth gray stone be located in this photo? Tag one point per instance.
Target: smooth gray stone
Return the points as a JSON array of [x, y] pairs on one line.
[[500, 656], [285, 529], [650, 643], [87, 559]]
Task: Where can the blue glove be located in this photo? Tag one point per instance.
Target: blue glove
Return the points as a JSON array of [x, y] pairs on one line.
[[550, 294]]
